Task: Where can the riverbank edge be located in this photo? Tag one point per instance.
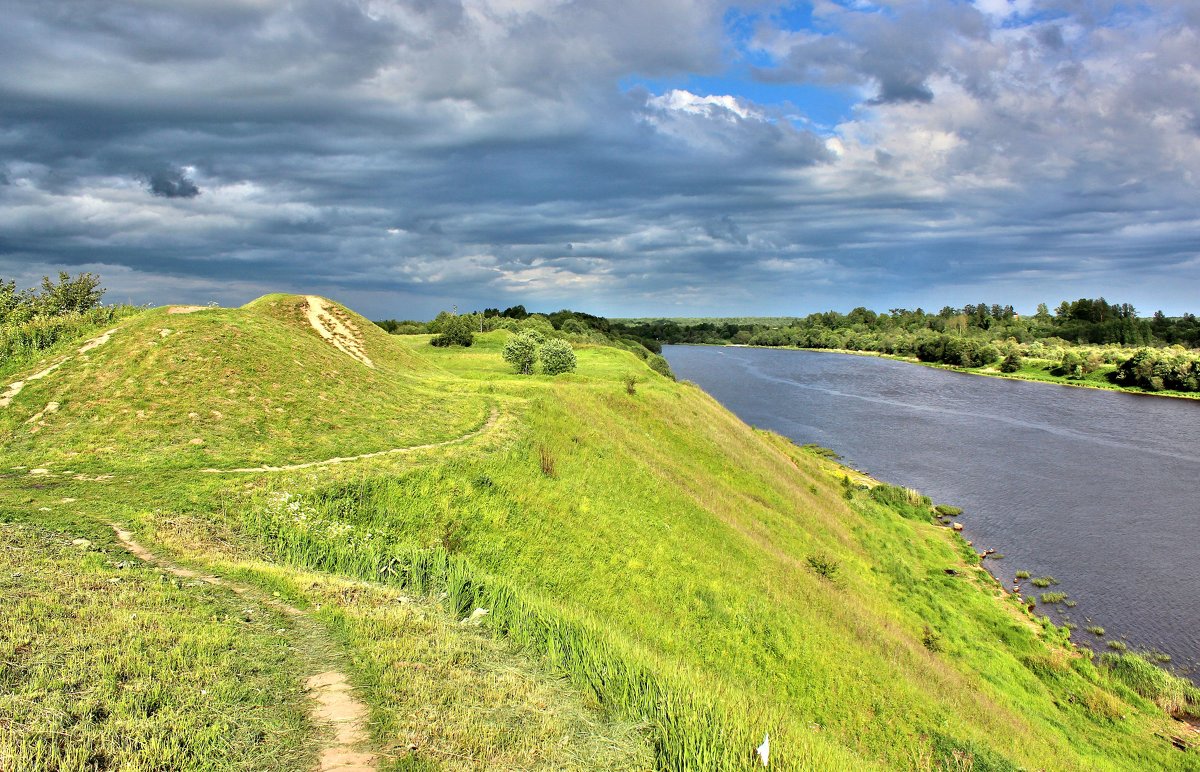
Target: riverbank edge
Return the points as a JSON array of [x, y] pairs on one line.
[[990, 373], [831, 463]]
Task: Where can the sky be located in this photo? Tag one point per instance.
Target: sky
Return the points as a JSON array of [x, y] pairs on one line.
[[621, 157]]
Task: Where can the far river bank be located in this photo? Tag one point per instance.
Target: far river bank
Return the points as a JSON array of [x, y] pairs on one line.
[[1033, 373]]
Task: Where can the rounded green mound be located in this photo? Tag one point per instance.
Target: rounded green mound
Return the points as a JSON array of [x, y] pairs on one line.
[[284, 380]]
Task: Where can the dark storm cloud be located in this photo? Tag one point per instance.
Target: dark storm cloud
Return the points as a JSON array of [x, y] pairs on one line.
[[171, 183], [410, 155]]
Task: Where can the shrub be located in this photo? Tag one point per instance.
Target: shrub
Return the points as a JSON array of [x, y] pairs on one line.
[[824, 566], [557, 357], [932, 639], [630, 384], [521, 351], [948, 511], [539, 325], [573, 326], [456, 331], [1011, 363], [659, 364]]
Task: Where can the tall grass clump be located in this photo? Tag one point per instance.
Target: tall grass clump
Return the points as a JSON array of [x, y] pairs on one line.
[[1173, 694], [31, 336], [692, 725], [906, 502]]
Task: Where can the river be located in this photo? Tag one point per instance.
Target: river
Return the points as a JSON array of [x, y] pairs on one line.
[[1098, 489]]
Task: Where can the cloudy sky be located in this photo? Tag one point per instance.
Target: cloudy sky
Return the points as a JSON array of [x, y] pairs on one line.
[[626, 157]]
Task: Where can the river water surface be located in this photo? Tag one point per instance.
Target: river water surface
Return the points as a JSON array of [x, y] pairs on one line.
[[1098, 489]]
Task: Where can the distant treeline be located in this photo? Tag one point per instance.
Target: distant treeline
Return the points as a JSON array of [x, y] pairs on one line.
[[1094, 321], [1080, 337]]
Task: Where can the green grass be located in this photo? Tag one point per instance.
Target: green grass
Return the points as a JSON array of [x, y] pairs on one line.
[[228, 388], [106, 664], [441, 693], [662, 567]]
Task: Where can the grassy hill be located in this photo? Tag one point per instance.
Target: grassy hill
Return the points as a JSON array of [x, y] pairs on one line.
[[697, 582]]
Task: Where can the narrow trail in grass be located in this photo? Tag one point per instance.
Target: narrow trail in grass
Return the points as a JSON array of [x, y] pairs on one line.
[[487, 425], [335, 705], [17, 387]]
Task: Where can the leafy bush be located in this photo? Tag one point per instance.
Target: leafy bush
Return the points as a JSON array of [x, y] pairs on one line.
[[1155, 370], [521, 351], [66, 296], [824, 566], [538, 325], [557, 357], [659, 364], [456, 330], [1010, 363], [573, 326]]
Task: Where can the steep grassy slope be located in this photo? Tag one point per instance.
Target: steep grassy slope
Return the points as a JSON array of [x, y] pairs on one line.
[[227, 388], [681, 567]]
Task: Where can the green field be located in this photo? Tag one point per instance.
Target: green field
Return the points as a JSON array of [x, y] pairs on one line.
[[664, 584]]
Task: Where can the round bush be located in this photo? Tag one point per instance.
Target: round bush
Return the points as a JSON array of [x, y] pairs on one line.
[[557, 357], [521, 352]]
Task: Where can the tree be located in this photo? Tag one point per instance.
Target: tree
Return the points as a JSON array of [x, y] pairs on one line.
[[574, 327], [521, 352], [557, 357], [11, 299], [1011, 363], [69, 295], [456, 331]]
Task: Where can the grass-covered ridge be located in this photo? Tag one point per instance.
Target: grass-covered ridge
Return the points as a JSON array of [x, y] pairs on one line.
[[703, 580], [216, 388]]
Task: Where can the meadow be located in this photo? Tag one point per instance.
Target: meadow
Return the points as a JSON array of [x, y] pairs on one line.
[[664, 585]]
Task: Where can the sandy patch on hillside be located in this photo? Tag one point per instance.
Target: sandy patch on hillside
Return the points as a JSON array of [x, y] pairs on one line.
[[186, 309], [15, 388], [335, 326], [96, 342]]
